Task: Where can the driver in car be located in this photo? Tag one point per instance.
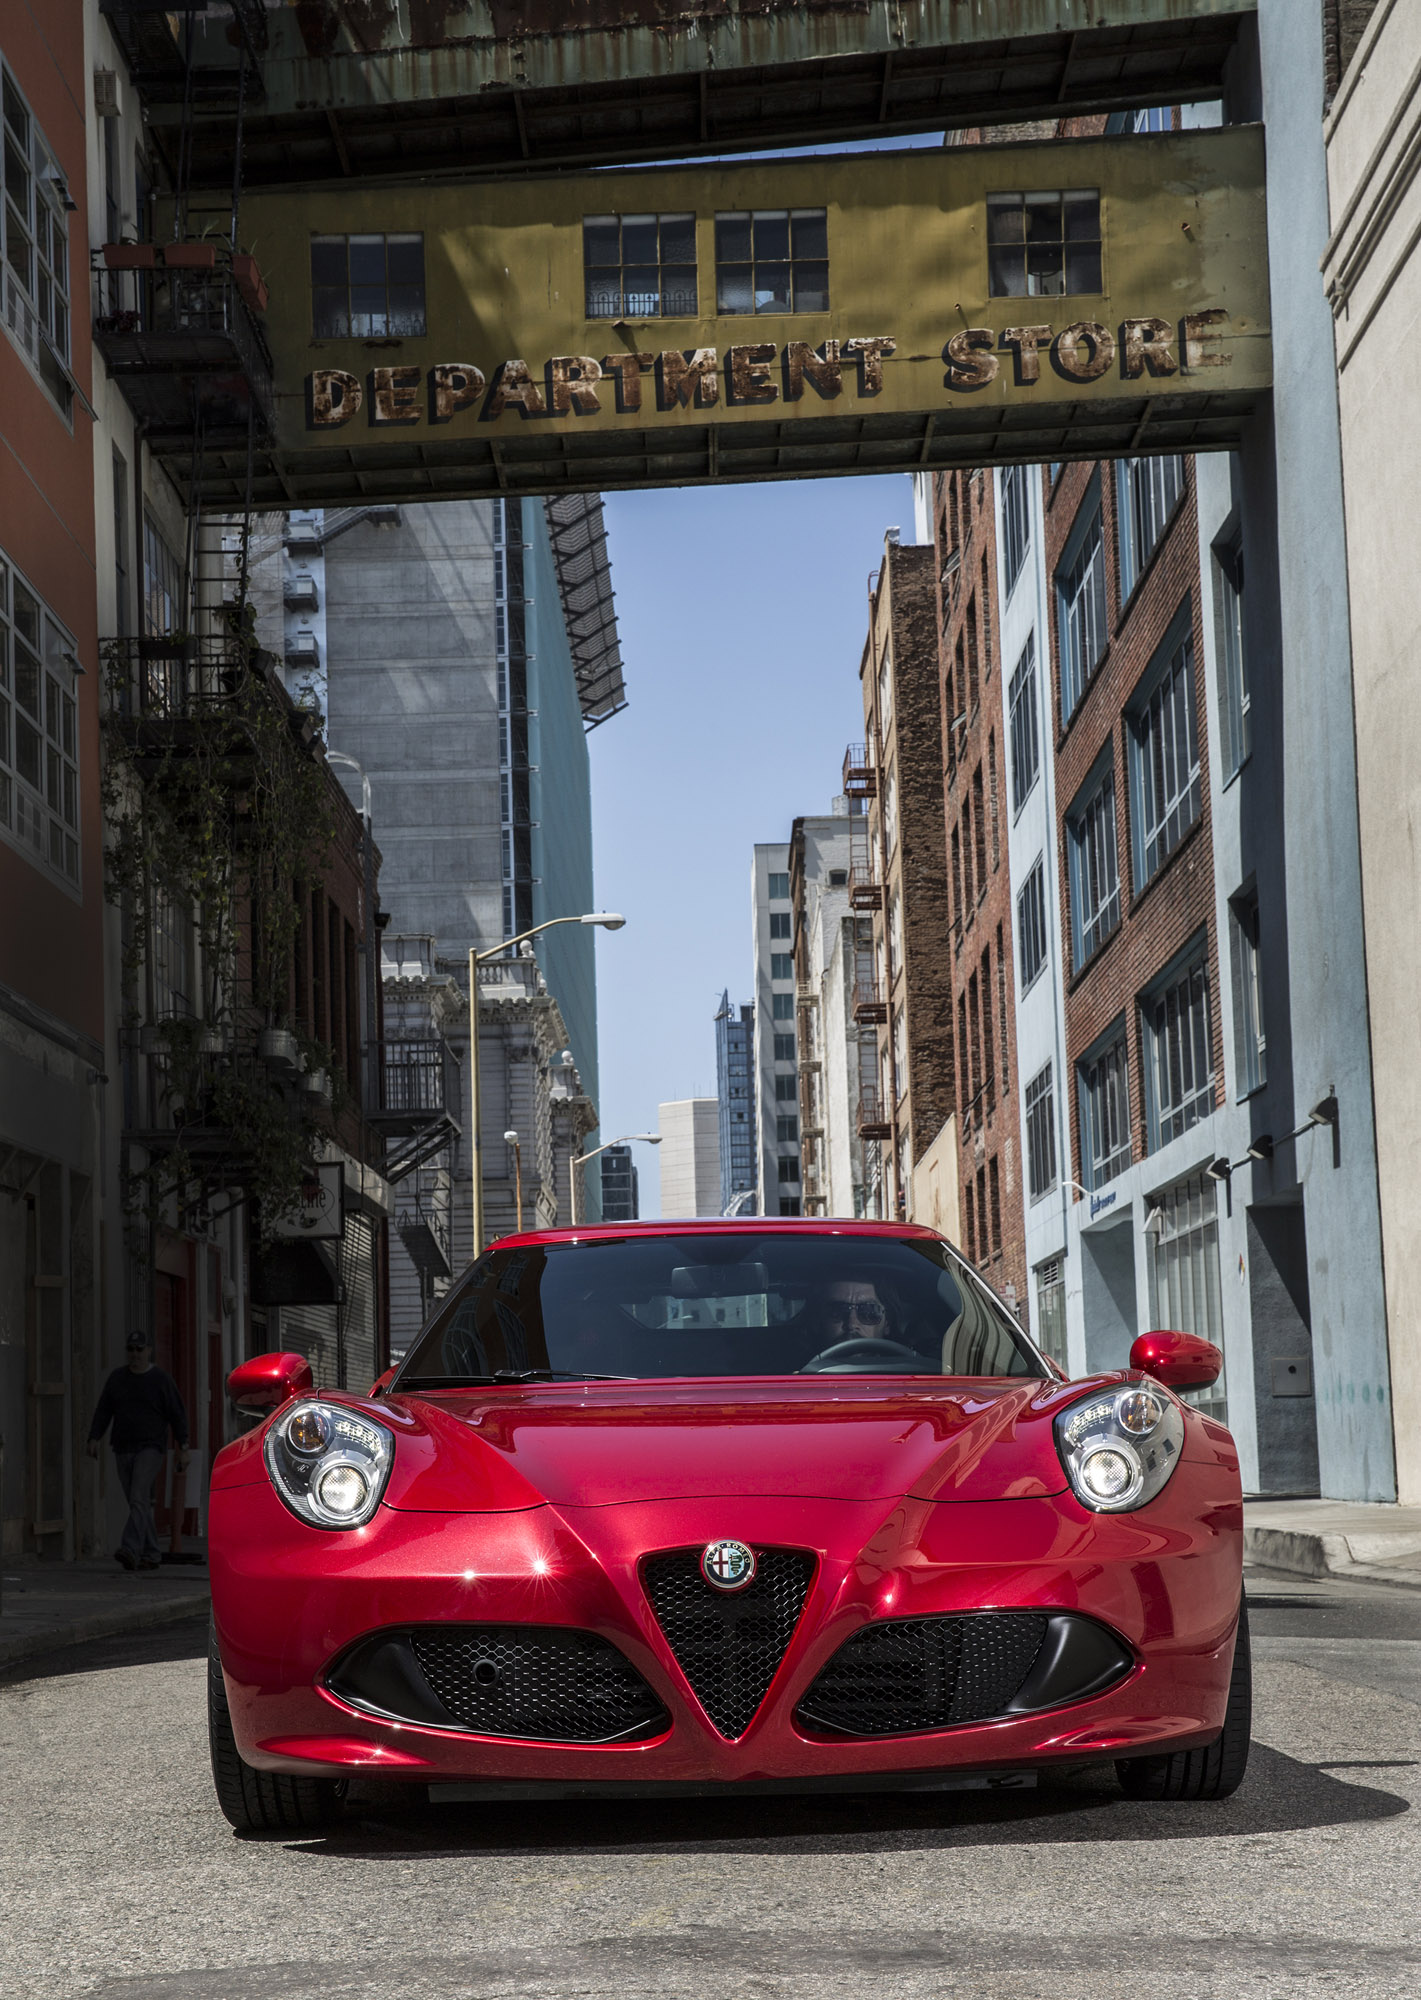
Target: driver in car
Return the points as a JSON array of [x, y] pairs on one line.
[[852, 1309]]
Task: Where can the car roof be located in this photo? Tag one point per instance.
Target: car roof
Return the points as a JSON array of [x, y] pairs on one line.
[[747, 1225]]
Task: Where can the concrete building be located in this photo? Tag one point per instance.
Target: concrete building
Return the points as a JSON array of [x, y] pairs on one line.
[[689, 1156], [735, 1093], [898, 875], [462, 650], [1372, 273], [779, 1188], [975, 779], [620, 1198], [833, 955]]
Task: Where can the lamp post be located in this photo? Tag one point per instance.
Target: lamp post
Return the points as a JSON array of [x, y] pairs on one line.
[[648, 1138], [511, 1139], [609, 921]]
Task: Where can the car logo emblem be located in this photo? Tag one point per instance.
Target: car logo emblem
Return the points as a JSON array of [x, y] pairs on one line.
[[728, 1565]]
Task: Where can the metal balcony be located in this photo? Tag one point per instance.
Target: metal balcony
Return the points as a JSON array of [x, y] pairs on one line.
[[300, 592], [873, 1119], [183, 342], [419, 1095], [870, 1003], [860, 772], [178, 677]]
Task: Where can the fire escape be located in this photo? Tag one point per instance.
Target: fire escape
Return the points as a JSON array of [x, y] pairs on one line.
[[870, 1002]]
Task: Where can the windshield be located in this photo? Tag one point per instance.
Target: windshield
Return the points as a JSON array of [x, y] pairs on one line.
[[651, 1307]]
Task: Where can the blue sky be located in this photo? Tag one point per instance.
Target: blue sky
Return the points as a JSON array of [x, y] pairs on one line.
[[742, 612]]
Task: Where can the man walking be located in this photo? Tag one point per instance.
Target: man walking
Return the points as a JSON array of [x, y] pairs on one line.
[[143, 1405]]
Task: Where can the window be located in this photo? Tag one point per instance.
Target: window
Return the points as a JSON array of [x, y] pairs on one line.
[[1251, 1044], [640, 266], [172, 959], [1165, 761], [1031, 924], [771, 260], [1159, 118], [838, 878], [1094, 867], [900, 1051], [789, 1205], [786, 1128], [781, 922], [1105, 1110], [782, 1006], [366, 287], [1146, 493], [35, 226], [788, 1167], [1040, 1134], [786, 1090], [39, 748], [1016, 524], [163, 593], [895, 934], [1051, 1310], [890, 810], [1233, 663], [120, 533], [1025, 740], [1184, 1275], [1044, 244], [781, 965], [994, 1204], [784, 1048], [779, 889], [1080, 609], [1180, 1065]]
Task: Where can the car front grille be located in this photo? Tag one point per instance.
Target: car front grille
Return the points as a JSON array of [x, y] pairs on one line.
[[906, 1674], [537, 1683], [729, 1644]]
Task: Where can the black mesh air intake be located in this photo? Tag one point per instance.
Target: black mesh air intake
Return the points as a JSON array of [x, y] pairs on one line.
[[924, 1673], [729, 1644], [538, 1683]]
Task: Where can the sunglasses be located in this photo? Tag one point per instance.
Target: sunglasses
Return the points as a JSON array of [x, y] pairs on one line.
[[868, 1312]]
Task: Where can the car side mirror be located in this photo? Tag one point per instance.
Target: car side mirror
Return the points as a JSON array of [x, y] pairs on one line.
[[1179, 1360], [269, 1380]]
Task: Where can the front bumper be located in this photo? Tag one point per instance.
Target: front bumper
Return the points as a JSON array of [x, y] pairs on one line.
[[290, 1600]]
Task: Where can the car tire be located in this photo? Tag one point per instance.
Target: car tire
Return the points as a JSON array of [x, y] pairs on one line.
[[1212, 1773], [259, 1801]]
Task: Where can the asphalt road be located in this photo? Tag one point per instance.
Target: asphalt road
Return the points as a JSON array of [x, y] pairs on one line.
[[119, 1879]]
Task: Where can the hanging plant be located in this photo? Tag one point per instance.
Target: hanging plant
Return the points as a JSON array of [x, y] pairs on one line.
[[217, 801]]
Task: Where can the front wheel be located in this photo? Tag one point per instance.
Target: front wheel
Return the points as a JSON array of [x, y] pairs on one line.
[[1203, 1774], [259, 1801]]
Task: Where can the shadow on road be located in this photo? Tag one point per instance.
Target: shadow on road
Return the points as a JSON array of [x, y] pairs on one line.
[[1280, 1795], [186, 1640]]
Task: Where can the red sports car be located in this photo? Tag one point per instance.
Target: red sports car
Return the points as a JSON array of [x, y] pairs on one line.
[[704, 1508]]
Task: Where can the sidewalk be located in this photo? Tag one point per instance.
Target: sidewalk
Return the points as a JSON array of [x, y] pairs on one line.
[[46, 1605], [1371, 1543]]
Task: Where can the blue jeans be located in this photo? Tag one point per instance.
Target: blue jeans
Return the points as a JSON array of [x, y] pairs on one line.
[[138, 1474]]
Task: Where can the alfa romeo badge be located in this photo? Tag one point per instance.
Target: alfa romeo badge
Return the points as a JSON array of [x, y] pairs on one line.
[[728, 1565]]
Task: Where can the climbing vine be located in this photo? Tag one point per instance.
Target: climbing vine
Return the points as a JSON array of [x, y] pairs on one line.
[[219, 807]]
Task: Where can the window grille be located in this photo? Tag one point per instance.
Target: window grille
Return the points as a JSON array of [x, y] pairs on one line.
[[1080, 613], [1051, 1310], [1181, 1067], [640, 266], [1166, 760], [1095, 874], [1043, 244], [1025, 736], [1105, 1113], [367, 287], [1031, 924], [1146, 493], [1041, 1134], [1184, 1275], [772, 260]]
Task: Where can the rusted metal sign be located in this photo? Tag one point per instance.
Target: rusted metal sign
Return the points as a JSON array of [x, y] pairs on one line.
[[769, 319]]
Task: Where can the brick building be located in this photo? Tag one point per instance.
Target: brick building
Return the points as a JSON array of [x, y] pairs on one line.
[[898, 873], [983, 986]]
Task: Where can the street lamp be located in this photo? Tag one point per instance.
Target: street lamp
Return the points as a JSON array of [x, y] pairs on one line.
[[511, 1139], [648, 1138], [609, 921]]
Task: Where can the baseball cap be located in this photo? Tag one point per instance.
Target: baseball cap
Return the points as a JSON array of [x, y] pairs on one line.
[[136, 1340]]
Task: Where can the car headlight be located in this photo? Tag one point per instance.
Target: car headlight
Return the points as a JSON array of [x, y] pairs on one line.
[[329, 1463], [1120, 1447]]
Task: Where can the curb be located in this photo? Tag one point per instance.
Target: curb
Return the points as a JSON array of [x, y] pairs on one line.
[[1297, 1552], [102, 1625]]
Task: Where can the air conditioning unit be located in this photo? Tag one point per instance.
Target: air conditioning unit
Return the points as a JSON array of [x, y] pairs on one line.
[[108, 103]]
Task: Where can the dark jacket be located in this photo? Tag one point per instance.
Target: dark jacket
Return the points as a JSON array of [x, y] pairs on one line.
[[141, 1408]]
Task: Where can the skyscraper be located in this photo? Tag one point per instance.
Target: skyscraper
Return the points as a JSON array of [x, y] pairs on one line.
[[620, 1200], [734, 1082]]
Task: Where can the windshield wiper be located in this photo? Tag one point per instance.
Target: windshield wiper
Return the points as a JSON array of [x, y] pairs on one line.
[[557, 1375]]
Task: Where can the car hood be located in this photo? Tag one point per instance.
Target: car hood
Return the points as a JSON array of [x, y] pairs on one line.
[[596, 1445]]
